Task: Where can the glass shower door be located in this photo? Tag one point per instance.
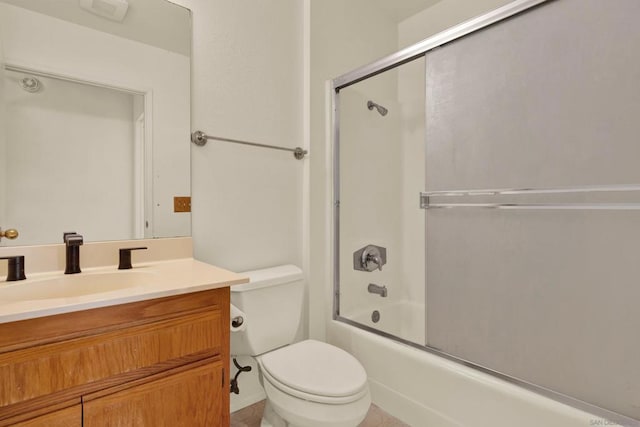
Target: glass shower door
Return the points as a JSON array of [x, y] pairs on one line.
[[380, 236], [533, 227]]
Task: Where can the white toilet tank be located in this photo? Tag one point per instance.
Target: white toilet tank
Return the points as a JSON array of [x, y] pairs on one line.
[[272, 302]]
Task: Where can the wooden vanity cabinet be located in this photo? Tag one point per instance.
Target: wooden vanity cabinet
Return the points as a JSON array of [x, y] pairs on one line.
[[188, 398], [157, 362]]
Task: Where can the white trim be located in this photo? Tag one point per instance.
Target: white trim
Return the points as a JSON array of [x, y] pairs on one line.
[[138, 176]]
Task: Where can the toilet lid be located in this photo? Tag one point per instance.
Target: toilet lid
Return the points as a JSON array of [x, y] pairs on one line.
[[316, 368]]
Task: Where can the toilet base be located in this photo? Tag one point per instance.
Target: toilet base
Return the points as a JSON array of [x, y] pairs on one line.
[[271, 419], [282, 410]]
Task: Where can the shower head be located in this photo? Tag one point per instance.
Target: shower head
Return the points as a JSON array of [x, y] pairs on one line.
[[371, 105], [30, 84]]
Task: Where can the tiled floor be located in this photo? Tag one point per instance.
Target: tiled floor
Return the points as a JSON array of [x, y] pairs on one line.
[[251, 415]]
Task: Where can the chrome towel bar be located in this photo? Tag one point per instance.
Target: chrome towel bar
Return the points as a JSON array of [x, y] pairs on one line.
[[426, 197], [200, 138]]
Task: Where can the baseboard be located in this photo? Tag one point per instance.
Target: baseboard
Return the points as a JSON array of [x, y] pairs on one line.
[[242, 401]]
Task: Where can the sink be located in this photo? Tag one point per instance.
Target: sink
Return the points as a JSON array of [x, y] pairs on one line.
[[76, 285]]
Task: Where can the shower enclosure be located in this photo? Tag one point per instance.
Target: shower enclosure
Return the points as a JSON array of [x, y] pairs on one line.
[[494, 168]]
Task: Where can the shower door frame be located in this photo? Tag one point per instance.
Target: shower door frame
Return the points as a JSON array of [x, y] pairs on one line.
[[389, 62]]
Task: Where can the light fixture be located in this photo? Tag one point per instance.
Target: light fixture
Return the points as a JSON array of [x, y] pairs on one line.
[[110, 9]]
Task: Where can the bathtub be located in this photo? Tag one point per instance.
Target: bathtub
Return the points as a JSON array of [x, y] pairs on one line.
[[426, 390], [402, 319]]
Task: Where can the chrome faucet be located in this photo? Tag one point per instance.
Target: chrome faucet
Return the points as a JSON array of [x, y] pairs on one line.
[[376, 289], [369, 258], [73, 241], [373, 258]]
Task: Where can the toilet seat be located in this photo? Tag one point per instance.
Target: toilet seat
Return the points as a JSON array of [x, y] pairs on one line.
[[316, 372]]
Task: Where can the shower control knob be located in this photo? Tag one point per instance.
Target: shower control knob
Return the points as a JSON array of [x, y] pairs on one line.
[[369, 258]]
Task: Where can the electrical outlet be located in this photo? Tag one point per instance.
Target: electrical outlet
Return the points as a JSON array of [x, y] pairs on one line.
[[182, 204]]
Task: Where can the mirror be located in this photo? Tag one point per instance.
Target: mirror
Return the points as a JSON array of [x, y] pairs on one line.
[[94, 119]]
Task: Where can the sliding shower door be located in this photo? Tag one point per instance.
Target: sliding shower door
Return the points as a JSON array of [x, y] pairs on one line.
[[494, 171], [380, 227], [532, 179]]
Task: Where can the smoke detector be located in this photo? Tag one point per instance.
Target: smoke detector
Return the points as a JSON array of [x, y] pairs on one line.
[[110, 9]]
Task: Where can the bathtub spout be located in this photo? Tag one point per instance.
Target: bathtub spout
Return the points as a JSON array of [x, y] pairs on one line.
[[376, 289]]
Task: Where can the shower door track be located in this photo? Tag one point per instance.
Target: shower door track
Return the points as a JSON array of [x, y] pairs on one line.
[[395, 60]]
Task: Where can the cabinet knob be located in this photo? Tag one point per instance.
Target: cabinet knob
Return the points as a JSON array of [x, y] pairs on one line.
[[11, 233]]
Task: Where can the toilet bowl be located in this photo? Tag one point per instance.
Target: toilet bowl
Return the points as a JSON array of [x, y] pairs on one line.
[[309, 383], [314, 384]]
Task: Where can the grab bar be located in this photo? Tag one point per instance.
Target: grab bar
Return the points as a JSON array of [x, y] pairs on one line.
[[427, 203], [200, 138]]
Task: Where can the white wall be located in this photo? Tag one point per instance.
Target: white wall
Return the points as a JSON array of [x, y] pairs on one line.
[[52, 45], [344, 35], [247, 83]]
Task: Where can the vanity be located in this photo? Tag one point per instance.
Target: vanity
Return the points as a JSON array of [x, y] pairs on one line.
[[151, 350]]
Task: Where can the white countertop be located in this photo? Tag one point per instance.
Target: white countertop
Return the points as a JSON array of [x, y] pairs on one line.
[[162, 279]]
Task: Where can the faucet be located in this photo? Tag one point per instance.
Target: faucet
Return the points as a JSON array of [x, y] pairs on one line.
[[15, 268], [376, 289], [73, 241], [375, 259], [369, 258]]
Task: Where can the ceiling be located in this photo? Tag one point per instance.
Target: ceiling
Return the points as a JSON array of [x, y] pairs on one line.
[[403, 9], [158, 23]]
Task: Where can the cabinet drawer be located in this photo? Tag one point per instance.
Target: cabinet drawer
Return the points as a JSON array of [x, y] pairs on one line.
[[69, 417], [191, 398], [98, 361]]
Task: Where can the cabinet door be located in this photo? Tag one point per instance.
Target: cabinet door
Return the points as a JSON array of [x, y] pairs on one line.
[[68, 417], [191, 398]]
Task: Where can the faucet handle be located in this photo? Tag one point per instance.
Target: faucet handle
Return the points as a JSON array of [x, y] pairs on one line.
[[369, 258], [15, 269], [125, 257], [71, 238]]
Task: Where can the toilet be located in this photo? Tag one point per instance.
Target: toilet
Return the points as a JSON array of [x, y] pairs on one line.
[[308, 383]]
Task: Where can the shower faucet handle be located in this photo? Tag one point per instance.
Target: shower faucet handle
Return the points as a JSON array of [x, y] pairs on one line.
[[372, 259], [369, 258]]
